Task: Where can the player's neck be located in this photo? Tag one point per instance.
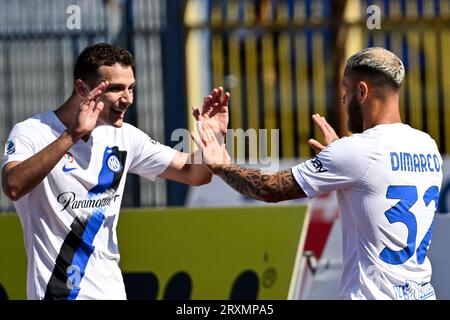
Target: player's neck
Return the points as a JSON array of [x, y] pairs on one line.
[[382, 112], [67, 111], [383, 120]]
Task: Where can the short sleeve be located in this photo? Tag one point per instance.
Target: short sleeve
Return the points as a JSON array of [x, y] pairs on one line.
[[340, 165], [19, 145], [151, 158]]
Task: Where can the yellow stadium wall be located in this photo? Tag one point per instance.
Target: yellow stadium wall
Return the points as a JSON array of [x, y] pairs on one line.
[[222, 252]]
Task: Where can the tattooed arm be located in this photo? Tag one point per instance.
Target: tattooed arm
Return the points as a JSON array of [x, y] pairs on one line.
[[269, 187]]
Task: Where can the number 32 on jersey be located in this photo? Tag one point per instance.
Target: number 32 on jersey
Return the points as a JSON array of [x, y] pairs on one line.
[[400, 213]]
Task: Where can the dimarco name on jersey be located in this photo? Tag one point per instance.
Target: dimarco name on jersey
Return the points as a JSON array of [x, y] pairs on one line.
[[415, 162]]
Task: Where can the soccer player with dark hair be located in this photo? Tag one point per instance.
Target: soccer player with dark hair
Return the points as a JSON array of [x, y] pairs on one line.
[[65, 171]]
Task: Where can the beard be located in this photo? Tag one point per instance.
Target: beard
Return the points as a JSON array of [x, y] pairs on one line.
[[355, 117]]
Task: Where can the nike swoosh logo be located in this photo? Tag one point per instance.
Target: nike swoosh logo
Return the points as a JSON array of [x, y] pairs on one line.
[[65, 169]]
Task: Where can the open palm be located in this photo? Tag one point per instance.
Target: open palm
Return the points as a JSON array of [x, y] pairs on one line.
[[213, 152], [214, 111]]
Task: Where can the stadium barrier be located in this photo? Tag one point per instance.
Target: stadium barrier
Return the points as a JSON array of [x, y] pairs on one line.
[[220, 253]]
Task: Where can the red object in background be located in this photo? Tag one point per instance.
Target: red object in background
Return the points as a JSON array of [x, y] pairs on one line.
[[323, 212]]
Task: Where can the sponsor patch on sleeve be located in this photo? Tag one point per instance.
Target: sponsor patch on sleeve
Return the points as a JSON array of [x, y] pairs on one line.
[[10, 147], [318, 165]]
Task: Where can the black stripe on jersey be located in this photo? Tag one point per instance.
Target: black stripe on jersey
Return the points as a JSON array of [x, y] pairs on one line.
[[122, 156], [57, 288]]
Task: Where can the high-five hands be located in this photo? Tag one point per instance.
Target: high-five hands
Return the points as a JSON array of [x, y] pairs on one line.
[[214, 111], [86, 119], [214, 153], [328, 133]]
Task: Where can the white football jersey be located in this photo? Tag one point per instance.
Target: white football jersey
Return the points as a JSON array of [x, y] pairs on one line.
[[70, 218], [387, 181]]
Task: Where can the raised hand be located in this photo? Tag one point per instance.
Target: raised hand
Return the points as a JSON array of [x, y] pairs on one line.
[[328, 133], [215, 110], [214, 153], [86, 119]]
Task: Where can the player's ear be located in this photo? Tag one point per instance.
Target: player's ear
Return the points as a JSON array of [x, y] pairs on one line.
[[362, 91], [81, 88]]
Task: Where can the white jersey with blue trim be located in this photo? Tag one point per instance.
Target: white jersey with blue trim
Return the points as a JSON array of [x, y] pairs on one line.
[[70, 218], [387, 181]]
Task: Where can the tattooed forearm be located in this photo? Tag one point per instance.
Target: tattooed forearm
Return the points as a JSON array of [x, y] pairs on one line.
[[270, 187]]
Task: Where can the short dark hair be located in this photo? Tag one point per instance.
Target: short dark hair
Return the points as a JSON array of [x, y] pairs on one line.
[[101, 54]]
